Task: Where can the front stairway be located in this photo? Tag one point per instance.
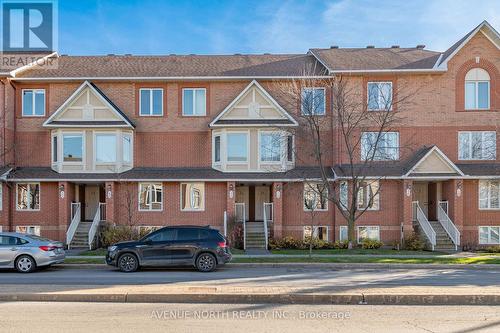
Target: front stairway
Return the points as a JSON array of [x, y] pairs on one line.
[[81, 237], [255, 237], [443, 240]]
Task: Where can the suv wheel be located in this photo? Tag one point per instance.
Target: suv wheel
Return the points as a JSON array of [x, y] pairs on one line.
[[25, 264], [128, 263], [206, 262]]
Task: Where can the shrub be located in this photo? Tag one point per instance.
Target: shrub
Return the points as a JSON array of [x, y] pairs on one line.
[[414, 243], [371, 244], [493, 249], [114, 234], [295, 244], [235, 236], [341, 244]]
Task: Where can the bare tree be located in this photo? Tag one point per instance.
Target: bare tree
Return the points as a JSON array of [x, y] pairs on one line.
[[362, 126]]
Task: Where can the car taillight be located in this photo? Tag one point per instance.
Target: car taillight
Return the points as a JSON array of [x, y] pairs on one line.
[[47, 248], [222, 244]]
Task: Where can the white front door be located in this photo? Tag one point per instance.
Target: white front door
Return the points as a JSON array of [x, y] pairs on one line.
[[91, 201], [262, 194], [420, 195], [243, 196]]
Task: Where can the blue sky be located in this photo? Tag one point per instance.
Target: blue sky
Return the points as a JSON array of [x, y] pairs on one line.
[[247, 26]]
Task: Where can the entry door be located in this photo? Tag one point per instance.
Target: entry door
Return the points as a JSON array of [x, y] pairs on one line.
[[432, 199], [91, 201], [262, 194], [243, 196], [420, 195]]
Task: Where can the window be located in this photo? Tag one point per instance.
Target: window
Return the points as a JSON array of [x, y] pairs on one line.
[[270, 147], [33, 102], [477, 145], [344, 195], [150, 196], [343, 235], [28, 196], [127, 148], [187, 234], [164, 235], [194, 102], [379, 146], [31, 229], [105, 148], [237, 147], [368, 195], [477, 89], [489, 235], [151, 102], [9, 241], [313, 101], [193, 196], [379, 96], [72, 148], [370, 232], [489, 194], [54, 149], [315, 196], [289, 148], [316, 232], [217, 148]]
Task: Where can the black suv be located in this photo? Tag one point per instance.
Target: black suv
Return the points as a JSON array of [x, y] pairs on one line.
[[202, 247]]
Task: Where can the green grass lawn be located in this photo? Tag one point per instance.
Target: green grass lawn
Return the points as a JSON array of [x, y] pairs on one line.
[[96, 252], [84, 261], [357, 251]]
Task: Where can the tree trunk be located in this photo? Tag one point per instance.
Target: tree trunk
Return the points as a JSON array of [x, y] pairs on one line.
[[351, 233]]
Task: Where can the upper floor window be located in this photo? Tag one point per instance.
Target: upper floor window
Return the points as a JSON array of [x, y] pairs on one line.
[[194, 102], [28, 196], [489, 194], [193, 196], [477, 145], [313, 101], [379, 96], [151, 101], [289, 148], [315, 196], [150, 196], [237, 147], [270, 147], [379, 146], [368, 195], [217, 148], [55, 156], [477, 89], [105, 148], [33, 102], [127, 148], [72, 147]]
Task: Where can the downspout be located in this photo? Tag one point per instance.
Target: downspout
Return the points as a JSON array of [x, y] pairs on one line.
[[332, 126]]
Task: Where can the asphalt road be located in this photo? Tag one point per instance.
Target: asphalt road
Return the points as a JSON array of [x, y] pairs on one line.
[[252, 275], [140, 317]]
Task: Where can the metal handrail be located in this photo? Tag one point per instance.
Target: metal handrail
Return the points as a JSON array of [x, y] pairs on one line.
[[95, 225], [102, 208], [424, 224], [448, 225], [265, 226], [270, 208], [75, 221]]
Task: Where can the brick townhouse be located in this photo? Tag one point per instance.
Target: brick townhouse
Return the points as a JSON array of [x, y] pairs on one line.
[[165, 140]]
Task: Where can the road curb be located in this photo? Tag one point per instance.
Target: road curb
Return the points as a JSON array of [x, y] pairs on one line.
[[339, 299]]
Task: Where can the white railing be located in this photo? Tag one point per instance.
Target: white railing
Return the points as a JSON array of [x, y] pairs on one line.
[[240, 215], [225, 223], [269, 211], [424, 224], [266, 236], [448, 224], [95, 225], [102, 208], [75, 220]]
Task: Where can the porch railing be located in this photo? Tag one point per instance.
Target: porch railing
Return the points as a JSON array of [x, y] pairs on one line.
[[267, 213], [240, 214], [95, 225], [448, 224], [424, 224], [102, 208], [75, 221]]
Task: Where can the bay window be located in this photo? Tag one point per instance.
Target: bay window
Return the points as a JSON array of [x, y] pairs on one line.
[[105, 148], [150, 196], [270, 147], [237, 150], [127, 148], [72, 148], [477, 145]]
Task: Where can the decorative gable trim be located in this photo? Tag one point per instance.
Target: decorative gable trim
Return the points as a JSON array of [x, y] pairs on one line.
[[125, 121], [217, 122], [441, 155]]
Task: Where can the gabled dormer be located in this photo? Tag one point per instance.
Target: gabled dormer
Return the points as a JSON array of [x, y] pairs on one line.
[[252, 134], [89, 133]]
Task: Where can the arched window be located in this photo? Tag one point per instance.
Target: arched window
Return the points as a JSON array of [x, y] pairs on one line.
[[477, 89]]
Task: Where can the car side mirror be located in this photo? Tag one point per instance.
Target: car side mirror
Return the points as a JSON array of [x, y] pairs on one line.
[[148, 242]]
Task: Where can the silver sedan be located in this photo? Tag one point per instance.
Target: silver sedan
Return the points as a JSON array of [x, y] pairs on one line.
[[26, 252]]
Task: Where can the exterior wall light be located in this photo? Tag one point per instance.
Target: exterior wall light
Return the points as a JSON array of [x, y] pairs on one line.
[[61, 191], [109, 192], [231, 190], [459, 188], [408, 189]]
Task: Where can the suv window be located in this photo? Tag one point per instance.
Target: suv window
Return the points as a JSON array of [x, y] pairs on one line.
[[164, 235], [10, 240], [185, 234]]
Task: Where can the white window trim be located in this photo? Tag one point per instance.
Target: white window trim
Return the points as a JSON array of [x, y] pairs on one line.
[[131, 136], [194, 102], [219, 162], [376, 199], [367, 226], [324, 99], [476, 92], [33, 101], [293, 148], [317, 209], [246, 161], [117, 137], [469, 133], [343, 227], [52, 136], [489, 235], [341, 185], [316, 230], [382, 133], [37, 229], [74, 133], [150, 114], [39, 200], [180, 197], [378, 102], [489, 195], [259, 140], [139, 197]]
